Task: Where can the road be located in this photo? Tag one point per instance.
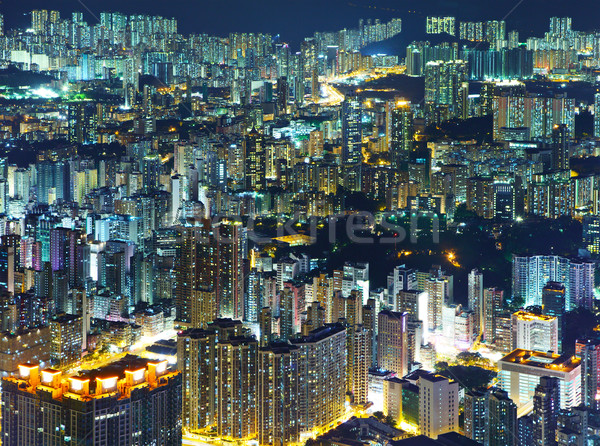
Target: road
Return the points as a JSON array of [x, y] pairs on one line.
[[333, 97]]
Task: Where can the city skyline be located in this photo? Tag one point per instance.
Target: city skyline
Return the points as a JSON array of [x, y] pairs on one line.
[[380, 227], [242, 16]]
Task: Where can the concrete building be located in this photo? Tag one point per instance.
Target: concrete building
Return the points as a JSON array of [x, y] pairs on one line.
[[132, 401], [535, 332], [392, 398], [322, 367], [278, 395], [66, 331], [438, 405], [520, 371], [392, 342]]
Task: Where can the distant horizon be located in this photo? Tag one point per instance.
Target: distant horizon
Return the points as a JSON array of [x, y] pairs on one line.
[[294, 20]]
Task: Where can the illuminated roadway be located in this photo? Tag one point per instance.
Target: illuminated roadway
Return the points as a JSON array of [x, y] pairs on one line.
[[332, 96]]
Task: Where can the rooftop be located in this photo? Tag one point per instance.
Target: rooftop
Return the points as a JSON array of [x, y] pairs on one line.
[[318, 334], [525, 316], [542, 360]]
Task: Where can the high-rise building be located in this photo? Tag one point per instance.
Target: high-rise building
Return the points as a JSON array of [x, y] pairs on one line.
[[66, 331], [501, 419], [392, 342], [535, 332], [436, 288], [475, 298], [414, 302], [597, 115], [492, 303], [495, 32], [134, 400], [392, 398], [504, 333], [209, 276], [39, 20], [531, 274], [352, 130], [439, 25], [256, 161], [588, 350], [560, 26], [526, 430], [554, 304], [540, 115], [322, 379], [236, 376], [359, 361], [503, 196], [591, 230], [195, 361], [52, 182], [479, 195], [546, 405], [401, 278], [83, 122], [209, 360], [194, 275], [282, 94], [278, 398], [265, 322], [286, 314], [402, 132], [519, 373], [475, 410], [230, 239], [446, 90], [438, 405]]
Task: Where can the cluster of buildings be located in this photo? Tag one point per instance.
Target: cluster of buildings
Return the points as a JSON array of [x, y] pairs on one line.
[[153, 190]]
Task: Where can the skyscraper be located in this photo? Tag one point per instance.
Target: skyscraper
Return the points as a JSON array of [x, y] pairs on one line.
[[286, 314], [591, 230], [446, 90], [352, 130], [475, 410], [554, 304], [278, 395], [236, 374], [392, 342], [535, 332], [589, 352], [39, 20], [359, 360], [199, 353], [520, 370], [501, 419], [597, 115], [230, 239], [492, 304], [265, 322], [322, 380], [438, 405], [256, 162], [194, 271], [402, 131], [134, 400], [546, 404], [475, 297], [531, 274], [436, 288], [195, 360], [67, 339]]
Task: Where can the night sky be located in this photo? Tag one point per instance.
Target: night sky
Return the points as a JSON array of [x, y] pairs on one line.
[[295, 19]]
